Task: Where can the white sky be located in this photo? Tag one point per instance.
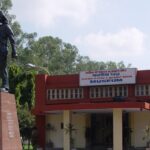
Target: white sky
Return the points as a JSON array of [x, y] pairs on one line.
[[104, 30]]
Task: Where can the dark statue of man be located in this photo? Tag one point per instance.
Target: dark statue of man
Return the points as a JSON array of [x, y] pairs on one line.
[[5, 35]]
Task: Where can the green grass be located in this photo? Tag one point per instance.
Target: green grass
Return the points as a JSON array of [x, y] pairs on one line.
[[25, 147]]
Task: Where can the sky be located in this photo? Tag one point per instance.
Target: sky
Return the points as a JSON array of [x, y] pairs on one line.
[[104, 30]]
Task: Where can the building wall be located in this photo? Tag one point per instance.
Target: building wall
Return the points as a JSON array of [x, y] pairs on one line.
[[56, 135], [79, 122], [139, 120], [44, 103]]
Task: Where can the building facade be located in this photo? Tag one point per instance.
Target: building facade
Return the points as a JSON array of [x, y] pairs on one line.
[[93, 110]]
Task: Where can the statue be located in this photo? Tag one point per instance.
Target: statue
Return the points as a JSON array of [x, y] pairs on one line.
[[5, 35]]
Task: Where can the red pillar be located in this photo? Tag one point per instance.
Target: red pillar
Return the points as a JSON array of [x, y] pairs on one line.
[[40, 124], [40, 98], [40, 93]]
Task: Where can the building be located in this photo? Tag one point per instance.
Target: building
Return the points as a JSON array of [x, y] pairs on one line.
[[93, 110]]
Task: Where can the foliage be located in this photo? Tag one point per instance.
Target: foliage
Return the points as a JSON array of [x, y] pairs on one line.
[[6, 5], [69, 129], [22, 85], [84, 63], [26, 123], [60, 57], [27, 147]]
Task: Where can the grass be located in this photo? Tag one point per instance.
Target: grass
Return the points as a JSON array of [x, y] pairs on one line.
[[25, 147]]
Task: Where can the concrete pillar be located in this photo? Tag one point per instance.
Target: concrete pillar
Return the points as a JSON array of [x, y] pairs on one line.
[[66, 122], [117, 129]]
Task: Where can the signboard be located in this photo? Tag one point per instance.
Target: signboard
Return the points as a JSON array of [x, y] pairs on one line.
[[108, 77]]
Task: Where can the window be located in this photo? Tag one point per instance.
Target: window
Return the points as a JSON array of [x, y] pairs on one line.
[[72, 93], [142, 90], [101, 92], [116, 91], [68, 93], [53, 94], [92, 92], [58, 95], [120, 91], [125, 91], [97, 92], [108, 91], [62, 94], [146, 90]]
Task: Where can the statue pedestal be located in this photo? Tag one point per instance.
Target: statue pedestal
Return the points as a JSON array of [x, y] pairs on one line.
[[9, 127]]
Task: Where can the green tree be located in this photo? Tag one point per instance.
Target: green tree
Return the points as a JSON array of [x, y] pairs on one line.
[[84, 63], [5, 5], [58, 57], [26, 123], [22, 85]]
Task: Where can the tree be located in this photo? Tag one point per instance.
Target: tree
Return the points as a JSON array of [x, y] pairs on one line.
[[55, 55], [26, 123], [84, 63], [22, 85], [6, 5], [60, 57]]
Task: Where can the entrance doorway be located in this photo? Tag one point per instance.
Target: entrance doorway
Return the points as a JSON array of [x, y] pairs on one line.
[[101, 131]]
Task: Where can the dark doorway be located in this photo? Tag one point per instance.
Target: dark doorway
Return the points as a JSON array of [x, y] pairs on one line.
[[102, 130], [127, 131], [100, 135]]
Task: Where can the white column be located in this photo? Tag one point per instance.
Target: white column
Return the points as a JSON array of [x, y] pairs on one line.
[[66, 122], [117, 129]]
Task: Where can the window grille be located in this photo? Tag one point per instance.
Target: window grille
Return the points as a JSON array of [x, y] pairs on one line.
[[142, 90], [108, 91], [67, 93]]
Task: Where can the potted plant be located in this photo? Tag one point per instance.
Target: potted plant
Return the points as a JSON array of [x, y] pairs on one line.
[[69, 128], [147, 136]]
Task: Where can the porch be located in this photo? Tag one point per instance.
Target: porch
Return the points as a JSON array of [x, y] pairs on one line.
[[93, 129]]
